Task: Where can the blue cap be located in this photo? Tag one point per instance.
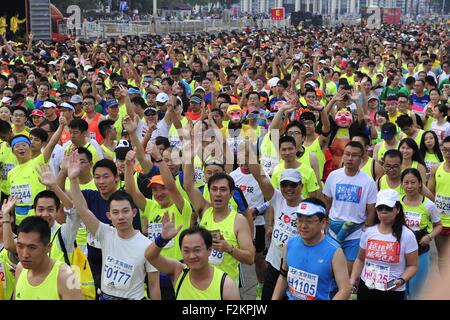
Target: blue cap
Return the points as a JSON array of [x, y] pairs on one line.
[[111, 103], [133, 91]]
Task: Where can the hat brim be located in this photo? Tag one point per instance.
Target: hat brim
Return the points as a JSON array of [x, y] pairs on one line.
[[386, 202], [291, 179]]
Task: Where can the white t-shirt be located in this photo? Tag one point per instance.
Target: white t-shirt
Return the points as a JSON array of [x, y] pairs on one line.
[[385, 258], [284, 227], [56, 159], [252, 193], [162, 130], [350, 195], [124, 266], [442, 131]]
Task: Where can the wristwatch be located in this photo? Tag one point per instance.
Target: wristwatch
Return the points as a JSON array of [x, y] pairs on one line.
[[402, 280]]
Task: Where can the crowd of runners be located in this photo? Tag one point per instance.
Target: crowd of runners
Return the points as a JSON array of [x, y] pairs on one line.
[[154, 167]]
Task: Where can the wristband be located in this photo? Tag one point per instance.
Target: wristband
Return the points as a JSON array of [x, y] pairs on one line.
[[429, 236], [6, 221], [160, 242], [158, 161], [402, 280]]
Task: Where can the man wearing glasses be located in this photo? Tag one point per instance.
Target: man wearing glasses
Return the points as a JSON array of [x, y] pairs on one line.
[[93, 118], [18, 119], [314, 265], [350, 195]]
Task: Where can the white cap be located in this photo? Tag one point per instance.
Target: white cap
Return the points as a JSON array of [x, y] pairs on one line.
[[200, 88], [66, 105], [162, 97], [309, 209], [273, 81], [311, 83], [71, 85], [292, 175], [48, 104], [387, 197]]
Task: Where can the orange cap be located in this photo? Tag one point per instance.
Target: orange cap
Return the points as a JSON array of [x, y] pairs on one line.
[[156, 180]]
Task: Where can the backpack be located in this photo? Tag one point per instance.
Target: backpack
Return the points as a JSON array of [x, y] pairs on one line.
[[81, 268]]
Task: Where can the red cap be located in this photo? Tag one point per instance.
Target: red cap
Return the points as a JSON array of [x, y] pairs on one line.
[[37, 112]]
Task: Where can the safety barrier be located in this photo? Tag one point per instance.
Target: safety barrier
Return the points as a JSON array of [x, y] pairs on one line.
[[106, 29]]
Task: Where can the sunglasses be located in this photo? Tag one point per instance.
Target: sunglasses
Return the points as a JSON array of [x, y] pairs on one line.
[[383, 207], [286, 184]]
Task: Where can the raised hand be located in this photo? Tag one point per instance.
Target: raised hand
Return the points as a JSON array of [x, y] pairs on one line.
[[130, 124], [74, 170], [123, 91], [65, 162], [154, 152], [8, 205], [130, 158], [63, 121], [168, 229], [46, 176]]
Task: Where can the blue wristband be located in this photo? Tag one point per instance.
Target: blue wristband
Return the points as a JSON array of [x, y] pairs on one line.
[[160, 242]]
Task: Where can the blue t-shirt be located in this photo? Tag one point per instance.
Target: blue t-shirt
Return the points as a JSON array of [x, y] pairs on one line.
[[310, 269], [419, 103]]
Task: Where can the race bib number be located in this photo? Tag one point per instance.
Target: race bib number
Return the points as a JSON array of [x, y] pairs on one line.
[[23, 192], [154, 230], [175, 141], [443, 204], [412, 220], [117, 274], [216, 257], [92, 135], [282, 232], [269, 164], [198, 175], [2, 276], [302, 284], [376, 276]]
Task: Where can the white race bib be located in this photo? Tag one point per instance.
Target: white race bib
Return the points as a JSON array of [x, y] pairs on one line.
[[443, 203], [23, 192], [281, 233], [376, 276], [154, 230], [412, 220], [92, 135], [269, 163], [216, 257], [117, 274], [302, 284]]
